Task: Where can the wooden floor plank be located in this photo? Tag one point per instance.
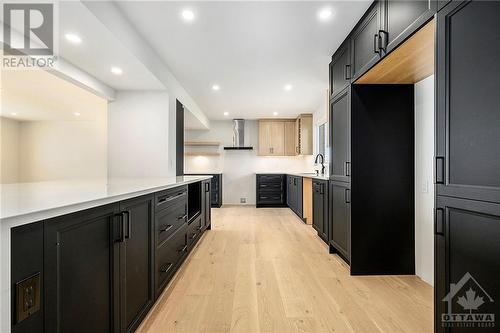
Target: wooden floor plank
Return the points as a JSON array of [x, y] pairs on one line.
[[263, 270]]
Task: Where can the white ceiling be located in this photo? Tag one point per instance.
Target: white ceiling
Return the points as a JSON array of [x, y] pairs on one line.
[[251, 49], [99, 50], [37, 95]]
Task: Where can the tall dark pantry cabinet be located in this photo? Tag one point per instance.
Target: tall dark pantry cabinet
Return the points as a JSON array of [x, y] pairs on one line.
[[467, 215]]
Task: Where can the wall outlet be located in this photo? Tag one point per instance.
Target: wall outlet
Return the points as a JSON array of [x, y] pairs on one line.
[[243, 200]]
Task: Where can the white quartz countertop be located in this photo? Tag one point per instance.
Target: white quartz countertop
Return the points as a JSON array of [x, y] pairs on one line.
[[298, 174], [23, 203]]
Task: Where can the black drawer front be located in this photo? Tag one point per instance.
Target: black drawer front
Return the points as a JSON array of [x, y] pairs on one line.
[[167, 257], [270, 198], [167, 221], [171, 197], [271, 186], [269, 178], [195, 230]]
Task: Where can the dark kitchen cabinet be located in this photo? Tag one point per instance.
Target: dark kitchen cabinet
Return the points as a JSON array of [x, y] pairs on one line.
[[401, 18], [294, 194], [467, 120], [466, 254], [320, 208], [82, 271], [136, 261], [340, 219], [206, 204], [340, 136], [271, 190], [340, 69], [215, 188], [365, 41]]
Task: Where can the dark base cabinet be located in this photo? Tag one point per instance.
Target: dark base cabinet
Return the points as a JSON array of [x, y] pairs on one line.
[[467, 248], [270, 190], [215, 188], [102, 269], [320, 208], [339, 238], [294, 198]]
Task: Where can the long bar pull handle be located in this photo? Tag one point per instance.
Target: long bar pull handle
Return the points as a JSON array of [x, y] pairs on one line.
[[385, 40], [376, 47], [439, 221], [439, 170], [347, 167], [165, 268], [347, 194], [167, 228], [129, 223], [347, 72]]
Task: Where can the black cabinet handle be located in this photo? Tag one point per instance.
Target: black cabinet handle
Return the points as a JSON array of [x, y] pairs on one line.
[[347, 195], [439, 170], [184, 248], [129, 223], [182, 217], [376, 47], [165, 268], [193, 236], [347, 72], [167, 228], [321, 188], [439, 222], [347, 169], [385, 40], [121, 228]]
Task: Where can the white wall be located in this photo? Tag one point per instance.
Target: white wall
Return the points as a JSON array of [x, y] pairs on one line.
[[424, 189], [63, 150], [238, 167], [9, 150], [138, 135]]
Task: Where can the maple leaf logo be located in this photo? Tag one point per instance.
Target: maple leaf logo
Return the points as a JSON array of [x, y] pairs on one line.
[[470, 301]]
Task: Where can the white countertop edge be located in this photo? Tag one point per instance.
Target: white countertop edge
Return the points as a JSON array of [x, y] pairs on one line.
[[298, 174], [51, 212]]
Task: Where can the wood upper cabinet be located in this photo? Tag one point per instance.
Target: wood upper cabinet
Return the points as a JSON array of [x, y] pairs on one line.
[[290, 145], [365, 41], [286, 137], [401, 18], [340, 69]]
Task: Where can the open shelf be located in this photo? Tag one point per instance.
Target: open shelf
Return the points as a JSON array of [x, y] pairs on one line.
[[202, 143], [201, 153]]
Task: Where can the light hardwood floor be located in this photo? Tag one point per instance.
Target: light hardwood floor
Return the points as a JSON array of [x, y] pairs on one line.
[[263, 270]]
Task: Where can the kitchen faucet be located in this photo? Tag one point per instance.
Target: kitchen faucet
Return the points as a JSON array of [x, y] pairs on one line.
[[322, 163]]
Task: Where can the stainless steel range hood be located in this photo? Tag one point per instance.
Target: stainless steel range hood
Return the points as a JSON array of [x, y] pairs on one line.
[[238, 136]]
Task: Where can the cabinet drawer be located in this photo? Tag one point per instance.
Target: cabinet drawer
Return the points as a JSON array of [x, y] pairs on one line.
[[167, 221], [195, 230], [269, 178], [270, 186], [170, 197], [270, 198], [167, 257]]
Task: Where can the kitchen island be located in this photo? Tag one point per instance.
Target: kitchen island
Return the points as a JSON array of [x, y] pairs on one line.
[[95, 255]]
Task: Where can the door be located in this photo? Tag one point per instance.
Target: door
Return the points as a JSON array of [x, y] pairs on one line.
[[340, 136], [468, 135], [317, 208], [136, 261], [289, 191], [340, 69], [290, 138], [264, 138], [277, 138], [81, 261], [299, 204], [365, 42], [401, 19], [467, 252], [340, 225]]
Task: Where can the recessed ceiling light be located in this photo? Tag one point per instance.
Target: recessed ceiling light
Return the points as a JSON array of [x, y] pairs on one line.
[[215, 87], [226, 113], [13, 114], [77, 114], [288, 87], [187, 15], [73, 38], [275, 113], [324, 14], [116, 70]]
